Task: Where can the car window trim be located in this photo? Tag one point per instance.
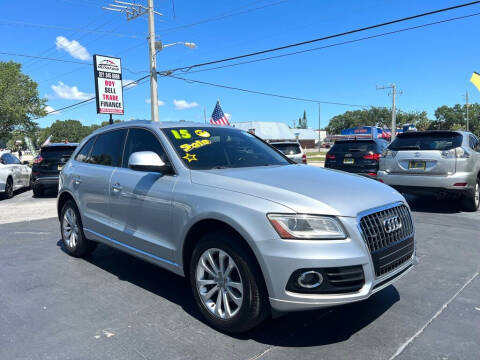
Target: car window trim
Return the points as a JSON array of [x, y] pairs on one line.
[[158, 139]]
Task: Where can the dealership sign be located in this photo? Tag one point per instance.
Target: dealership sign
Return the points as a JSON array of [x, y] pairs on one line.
[[108, 84]]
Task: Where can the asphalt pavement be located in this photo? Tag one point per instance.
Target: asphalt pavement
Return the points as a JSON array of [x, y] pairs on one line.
[[114, 306]]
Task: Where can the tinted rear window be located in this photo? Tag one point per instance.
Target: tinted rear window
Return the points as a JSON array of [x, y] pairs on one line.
[[353, 146], [288, 149], [426, 141], [50, 152]]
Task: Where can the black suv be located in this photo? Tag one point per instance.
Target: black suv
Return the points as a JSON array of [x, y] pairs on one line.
[[48, 164], [359, 156]]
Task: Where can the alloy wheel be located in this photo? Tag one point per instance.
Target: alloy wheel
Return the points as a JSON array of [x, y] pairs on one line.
[[70, 228], [219, 283]]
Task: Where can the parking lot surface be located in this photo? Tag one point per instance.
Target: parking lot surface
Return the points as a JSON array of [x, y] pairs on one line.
[[114, 306]]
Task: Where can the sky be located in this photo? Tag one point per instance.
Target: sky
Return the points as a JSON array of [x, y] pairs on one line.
[[431, 66]]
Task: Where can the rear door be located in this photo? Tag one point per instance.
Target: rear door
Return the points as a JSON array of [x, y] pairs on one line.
[[91, 173], [426, 153]]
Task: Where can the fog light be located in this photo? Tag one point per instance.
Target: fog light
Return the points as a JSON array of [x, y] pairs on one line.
[[310, 279]]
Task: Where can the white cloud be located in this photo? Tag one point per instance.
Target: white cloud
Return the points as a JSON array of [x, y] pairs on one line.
[[50, 110], [73, 48], [129, 83], [183, 104], [64, 91], [229, 116], [160, 102]]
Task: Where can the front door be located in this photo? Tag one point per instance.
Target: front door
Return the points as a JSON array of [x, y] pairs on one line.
[[141, 202]]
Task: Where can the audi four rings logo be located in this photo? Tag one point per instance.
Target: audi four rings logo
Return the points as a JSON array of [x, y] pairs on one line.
[[392, 224]]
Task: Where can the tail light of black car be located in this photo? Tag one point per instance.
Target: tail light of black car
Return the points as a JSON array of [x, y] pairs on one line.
[[375, 157], [38, 160], [330, 156]]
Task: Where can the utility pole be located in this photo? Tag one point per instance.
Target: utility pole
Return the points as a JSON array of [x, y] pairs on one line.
[[394, 110], [466, 100], [319, 127], [153, 61], [133, 11]]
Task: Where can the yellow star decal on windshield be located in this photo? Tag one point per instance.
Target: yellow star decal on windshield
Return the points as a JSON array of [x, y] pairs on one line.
[[190, 157]]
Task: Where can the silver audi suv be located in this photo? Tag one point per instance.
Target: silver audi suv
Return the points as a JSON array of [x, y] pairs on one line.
[[438, 162], [254, 233]]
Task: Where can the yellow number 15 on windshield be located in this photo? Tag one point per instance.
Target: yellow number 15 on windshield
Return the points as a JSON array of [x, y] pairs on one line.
[[181, 134]]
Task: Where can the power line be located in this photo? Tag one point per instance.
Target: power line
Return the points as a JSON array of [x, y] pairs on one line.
[[329, 36], [47, 26], [336, 44], [65, 61], [264, 93], [126, 86]]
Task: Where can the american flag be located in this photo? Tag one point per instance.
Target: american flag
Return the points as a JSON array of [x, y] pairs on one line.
[[218, 117]]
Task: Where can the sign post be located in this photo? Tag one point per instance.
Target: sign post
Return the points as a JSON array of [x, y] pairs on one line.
[[108, 85]]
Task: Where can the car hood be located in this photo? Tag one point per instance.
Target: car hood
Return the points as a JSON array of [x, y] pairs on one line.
[[302, 188]]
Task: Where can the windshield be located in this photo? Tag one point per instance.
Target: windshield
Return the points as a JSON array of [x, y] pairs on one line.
[[206, 148], [353, 146], [288, 149], [426, 141]]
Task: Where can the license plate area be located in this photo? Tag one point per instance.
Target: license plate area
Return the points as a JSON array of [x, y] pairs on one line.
[[415, 164], [348, 161]]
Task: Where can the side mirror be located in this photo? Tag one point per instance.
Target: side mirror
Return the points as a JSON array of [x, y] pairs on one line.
[[25, 162], [148, 161]]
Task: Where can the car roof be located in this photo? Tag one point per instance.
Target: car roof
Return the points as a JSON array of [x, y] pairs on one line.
[[157, 125], [430, 132], [60, 144]]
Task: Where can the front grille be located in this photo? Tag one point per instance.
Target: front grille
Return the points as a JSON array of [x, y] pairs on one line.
[[389, 237]]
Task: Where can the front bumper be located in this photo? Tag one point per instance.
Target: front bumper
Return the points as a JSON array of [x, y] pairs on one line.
[[283, 257], [428, 183]]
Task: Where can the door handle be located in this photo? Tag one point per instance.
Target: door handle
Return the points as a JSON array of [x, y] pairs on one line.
[[116, 187]]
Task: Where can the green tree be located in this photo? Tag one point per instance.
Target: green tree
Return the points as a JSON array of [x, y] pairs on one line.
[[19, 100]]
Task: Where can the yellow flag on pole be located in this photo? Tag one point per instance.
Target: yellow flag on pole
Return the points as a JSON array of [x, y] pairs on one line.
[[475, 80]]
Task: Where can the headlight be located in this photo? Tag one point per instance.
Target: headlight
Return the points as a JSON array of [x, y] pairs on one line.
[[306, 227]]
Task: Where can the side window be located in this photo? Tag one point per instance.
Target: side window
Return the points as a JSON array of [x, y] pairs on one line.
[[14, 159], [82, 156], [474, 143], [142, 140], [108, 148], [5, 159]]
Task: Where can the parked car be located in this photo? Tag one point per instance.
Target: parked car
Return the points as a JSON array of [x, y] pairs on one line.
[[48, 164], [359, 156], [248, 228], [14, 175], [291, 149], [438, 162]]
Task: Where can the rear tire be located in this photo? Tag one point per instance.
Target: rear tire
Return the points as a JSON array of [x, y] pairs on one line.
[[8, 193], [471, 201], [233, 308], [37, 191], [71, 229]]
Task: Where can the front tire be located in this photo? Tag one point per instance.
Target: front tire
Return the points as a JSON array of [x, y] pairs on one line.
[[71, 229], [471, 201], [37, 191], [227, 284]]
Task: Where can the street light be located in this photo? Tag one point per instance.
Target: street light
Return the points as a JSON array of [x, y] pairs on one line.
[[159, 46]]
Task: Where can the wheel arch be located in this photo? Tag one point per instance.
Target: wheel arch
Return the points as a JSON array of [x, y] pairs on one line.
[[63, 197], [205, 226]]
